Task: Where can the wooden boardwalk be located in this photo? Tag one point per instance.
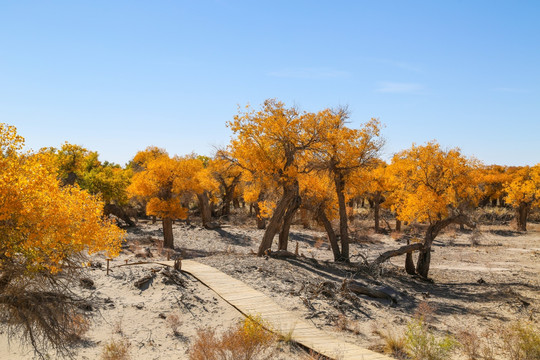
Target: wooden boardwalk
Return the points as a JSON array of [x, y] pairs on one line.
[[252, 302]]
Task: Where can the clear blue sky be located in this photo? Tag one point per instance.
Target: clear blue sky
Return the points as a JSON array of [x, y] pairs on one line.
[[117, 76]]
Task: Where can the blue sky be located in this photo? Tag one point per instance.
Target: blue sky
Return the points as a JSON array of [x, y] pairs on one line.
[[117, 76]]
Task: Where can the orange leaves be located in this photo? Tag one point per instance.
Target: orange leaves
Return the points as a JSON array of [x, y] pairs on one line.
[[42, 224], [431, 183], [343, 149], [274, 140], [9, 141], [165, 180], [524, 186]]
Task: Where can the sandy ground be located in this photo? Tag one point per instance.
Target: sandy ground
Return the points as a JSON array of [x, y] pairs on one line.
[[475, 288]]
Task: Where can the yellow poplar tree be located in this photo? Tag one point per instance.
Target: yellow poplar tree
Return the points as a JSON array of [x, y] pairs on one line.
[[199, 181], [492, 180], [318, 195], [523, 193], [45, 229], [342, 151], [228, 176], [374, 184], [161, 184], [272, 141], [436, 187]]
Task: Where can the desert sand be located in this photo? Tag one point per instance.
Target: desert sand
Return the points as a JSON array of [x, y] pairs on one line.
[[477, 286]]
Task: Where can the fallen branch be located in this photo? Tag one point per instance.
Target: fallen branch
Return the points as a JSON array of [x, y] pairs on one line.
[[281, 254], [400, 251], [364, 290], [142, 282]]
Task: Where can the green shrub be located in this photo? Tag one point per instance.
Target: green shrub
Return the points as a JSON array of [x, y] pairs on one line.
[[522, 341], [421, 343]]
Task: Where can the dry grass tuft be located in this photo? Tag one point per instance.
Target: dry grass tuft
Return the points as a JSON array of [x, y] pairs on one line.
[[470, 344], [319, 241], [342, 323], [425, 312], [522, 341], [246, 341], [174, 323], [394, 345], [116, 350]]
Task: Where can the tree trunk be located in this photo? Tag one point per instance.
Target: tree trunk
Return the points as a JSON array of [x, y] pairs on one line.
[[287, 220], [305, 218], [154, 219], [289, 194], [261, 222], [206, 211], [343, 226], [70, 179], [228, 196], [522, 212], [376, 212], [331, 234], [398, 224], [409, 262], [424, 257], [168, 239]]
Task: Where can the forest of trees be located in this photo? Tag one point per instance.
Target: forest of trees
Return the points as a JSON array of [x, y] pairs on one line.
[[280, 162]]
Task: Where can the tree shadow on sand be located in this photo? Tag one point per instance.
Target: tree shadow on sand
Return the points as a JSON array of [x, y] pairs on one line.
[[234, 239]]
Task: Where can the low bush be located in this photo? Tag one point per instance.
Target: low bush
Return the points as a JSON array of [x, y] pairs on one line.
[[423, 345], [247, 340], [522, 341], [116, 350]]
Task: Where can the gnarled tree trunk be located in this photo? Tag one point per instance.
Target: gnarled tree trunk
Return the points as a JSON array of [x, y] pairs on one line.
[[343, 222], [409, 262], [331, 234], [424, 256], [290, 192], [287, 220]]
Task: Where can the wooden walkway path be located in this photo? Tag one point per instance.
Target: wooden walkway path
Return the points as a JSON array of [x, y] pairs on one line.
[[252, 302]]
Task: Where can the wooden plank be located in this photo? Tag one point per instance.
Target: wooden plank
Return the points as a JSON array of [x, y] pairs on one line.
[[252, 302]]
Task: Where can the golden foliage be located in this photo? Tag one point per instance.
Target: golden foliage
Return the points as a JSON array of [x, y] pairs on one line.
[[272, 142], [524, 187], [159, 183], [165, 180], [430, 183], [42, 224]]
